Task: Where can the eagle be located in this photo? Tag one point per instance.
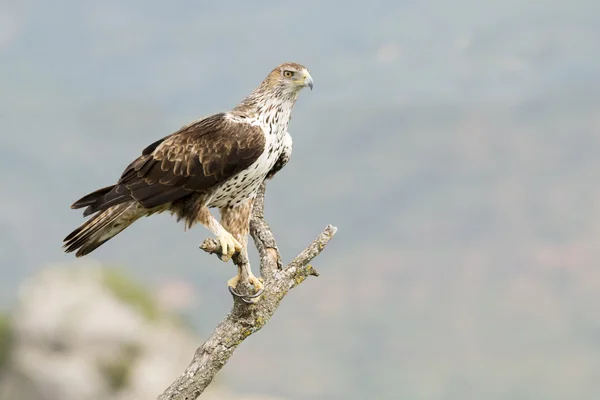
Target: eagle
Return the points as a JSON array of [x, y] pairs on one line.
[[218, 161]]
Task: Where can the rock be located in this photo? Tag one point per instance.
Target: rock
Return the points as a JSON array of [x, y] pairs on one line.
[[88, 333]]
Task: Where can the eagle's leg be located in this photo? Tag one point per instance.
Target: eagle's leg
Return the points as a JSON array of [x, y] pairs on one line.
[[237, 221], [229, 244]]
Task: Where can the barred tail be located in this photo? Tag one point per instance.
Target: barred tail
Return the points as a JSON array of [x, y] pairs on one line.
[[102, 227]]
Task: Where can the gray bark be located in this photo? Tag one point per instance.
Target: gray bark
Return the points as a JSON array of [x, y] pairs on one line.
[[245, 319]]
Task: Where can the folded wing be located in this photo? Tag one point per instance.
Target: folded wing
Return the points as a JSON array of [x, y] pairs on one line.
[[194, 159]]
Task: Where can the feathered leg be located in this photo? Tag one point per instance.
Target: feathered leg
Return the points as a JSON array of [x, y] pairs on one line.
[[237, 222]]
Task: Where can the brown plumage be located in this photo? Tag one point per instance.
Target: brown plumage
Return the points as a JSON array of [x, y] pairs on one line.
[[169, 171], [217, 161]]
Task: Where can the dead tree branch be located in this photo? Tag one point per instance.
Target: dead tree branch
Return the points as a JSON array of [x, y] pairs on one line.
[[246, 319]]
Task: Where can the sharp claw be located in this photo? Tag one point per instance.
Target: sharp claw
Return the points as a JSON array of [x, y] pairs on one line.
[[234, 293], [248, 299], [255, 295]]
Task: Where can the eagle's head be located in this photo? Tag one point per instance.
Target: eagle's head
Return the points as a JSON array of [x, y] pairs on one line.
[[289, 78], [281, 86]]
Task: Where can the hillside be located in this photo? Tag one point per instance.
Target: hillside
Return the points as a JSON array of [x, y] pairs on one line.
[[454, 144]]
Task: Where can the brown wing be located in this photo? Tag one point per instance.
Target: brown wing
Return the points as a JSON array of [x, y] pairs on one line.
[[193, 159]]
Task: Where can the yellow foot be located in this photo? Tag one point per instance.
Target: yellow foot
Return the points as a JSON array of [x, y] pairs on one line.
[[249, 299], [229, 246]]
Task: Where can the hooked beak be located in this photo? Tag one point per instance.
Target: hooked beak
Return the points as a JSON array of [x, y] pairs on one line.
[[308, 80]]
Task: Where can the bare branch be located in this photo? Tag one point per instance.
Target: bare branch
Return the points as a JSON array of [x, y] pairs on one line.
[[270, 259], [300, 263], [245, 319]]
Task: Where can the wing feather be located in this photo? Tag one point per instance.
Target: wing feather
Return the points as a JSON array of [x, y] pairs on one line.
[[194, 159]]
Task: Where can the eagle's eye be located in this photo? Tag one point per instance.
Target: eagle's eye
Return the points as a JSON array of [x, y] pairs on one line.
[[288, 74]]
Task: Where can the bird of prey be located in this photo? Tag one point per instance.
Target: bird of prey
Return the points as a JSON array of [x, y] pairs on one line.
[[218, 161]]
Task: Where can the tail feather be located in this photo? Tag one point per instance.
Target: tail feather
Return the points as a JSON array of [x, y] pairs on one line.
[[91, 198], [102, 227], [104, 204], [103, 199]]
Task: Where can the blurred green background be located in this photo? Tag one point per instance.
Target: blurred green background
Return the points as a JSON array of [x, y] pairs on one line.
[[454, 144]]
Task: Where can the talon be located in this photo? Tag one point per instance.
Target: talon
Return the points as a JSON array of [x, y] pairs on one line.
[[251, 298], [257, 283], [234, 293], [246, 299], [260, 288], [255, 295], [229, 246]]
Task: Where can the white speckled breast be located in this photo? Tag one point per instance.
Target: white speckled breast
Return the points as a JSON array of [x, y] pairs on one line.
[[244, 185]]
